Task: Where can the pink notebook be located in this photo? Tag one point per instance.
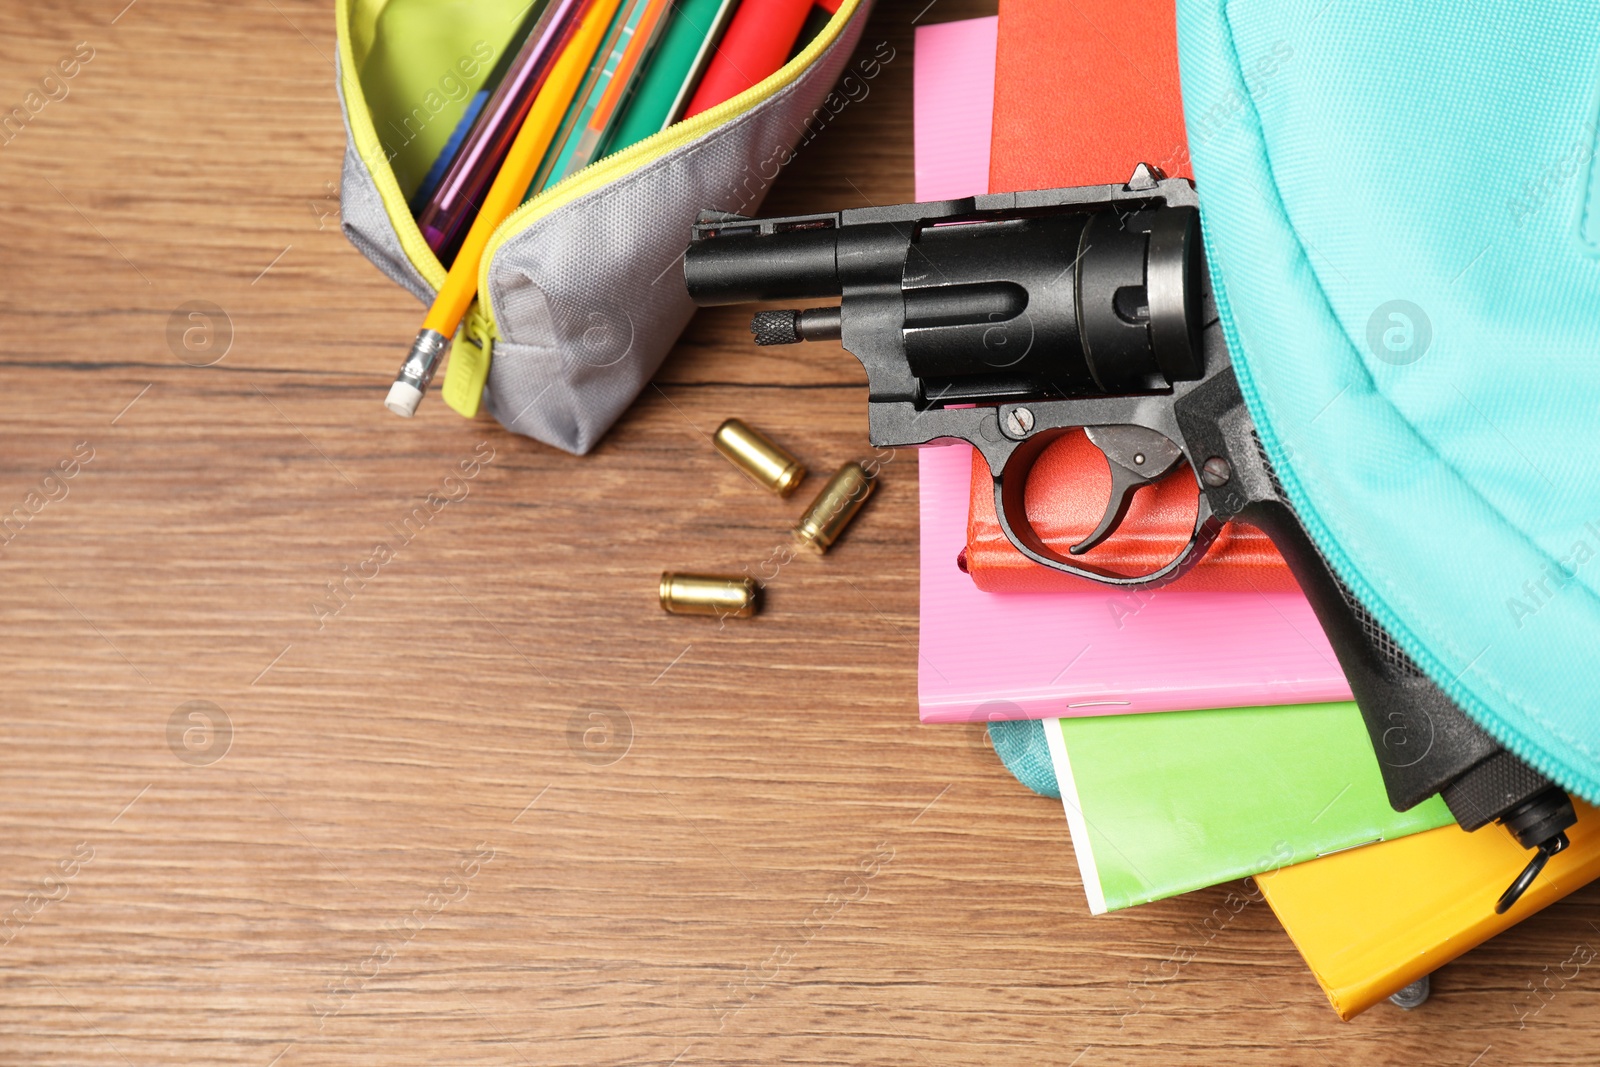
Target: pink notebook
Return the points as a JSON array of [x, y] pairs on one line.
[[1043, 655]]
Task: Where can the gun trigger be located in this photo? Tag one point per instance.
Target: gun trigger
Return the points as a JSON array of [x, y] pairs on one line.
[[1137, 457], [1124, 483]]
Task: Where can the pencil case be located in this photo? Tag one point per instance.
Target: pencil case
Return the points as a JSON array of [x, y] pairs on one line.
[[580, 292]]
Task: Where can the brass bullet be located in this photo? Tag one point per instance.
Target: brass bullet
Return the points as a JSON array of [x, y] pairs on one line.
[[834, 507], [722, 595], [767, 463]]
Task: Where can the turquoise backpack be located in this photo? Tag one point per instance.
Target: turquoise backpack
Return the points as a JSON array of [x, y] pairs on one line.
[[1403, 225], [1402, 216]]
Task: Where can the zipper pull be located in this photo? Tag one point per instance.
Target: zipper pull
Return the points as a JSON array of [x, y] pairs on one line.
[[468, 369]]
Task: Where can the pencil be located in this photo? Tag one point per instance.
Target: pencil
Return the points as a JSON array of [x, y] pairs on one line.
[[522, 160], [604, 60], [633, 37], [624, 80]]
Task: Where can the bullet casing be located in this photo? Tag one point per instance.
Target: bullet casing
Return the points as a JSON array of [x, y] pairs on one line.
[[762, 459], [834, 507], [722, 595]]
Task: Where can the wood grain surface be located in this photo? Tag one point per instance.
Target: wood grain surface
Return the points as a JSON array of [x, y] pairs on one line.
[[500, 809]]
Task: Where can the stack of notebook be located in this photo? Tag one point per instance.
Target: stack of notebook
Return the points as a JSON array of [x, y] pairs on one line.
[[1258, 764]]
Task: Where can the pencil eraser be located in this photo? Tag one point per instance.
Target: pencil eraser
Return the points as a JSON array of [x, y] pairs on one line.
[[403, 399]]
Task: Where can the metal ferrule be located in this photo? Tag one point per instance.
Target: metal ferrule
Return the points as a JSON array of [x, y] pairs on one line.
[[423, 359]]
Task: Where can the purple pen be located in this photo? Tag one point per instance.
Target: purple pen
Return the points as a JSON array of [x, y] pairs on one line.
[[448, 215]]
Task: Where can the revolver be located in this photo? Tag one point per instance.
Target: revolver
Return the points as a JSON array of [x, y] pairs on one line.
[[1010, 319]]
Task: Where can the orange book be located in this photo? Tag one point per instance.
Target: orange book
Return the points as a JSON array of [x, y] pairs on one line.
[[1084, 92], [1372, 920]]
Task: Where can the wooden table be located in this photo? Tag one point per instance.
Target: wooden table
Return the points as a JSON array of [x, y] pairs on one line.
[[499, 808]]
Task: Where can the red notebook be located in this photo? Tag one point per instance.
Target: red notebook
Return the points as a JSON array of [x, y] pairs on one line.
[[1084, 92]]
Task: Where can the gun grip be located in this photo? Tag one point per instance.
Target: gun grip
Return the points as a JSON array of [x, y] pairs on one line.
[[1425, 744]]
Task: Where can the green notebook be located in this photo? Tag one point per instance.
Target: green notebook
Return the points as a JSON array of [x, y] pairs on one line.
[[1165, 803]]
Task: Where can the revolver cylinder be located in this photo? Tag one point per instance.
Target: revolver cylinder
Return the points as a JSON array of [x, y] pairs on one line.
[[1103, 300]]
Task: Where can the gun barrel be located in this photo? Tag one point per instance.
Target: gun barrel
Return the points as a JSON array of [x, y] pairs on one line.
[[739, 268]]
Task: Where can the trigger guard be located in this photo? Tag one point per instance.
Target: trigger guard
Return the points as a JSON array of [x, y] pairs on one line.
[[1010, 491]]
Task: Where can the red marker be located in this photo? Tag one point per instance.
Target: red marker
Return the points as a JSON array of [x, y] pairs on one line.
[[757, 42]]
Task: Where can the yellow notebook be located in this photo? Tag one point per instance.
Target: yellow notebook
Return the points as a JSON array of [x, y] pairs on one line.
[[1375, 919]]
